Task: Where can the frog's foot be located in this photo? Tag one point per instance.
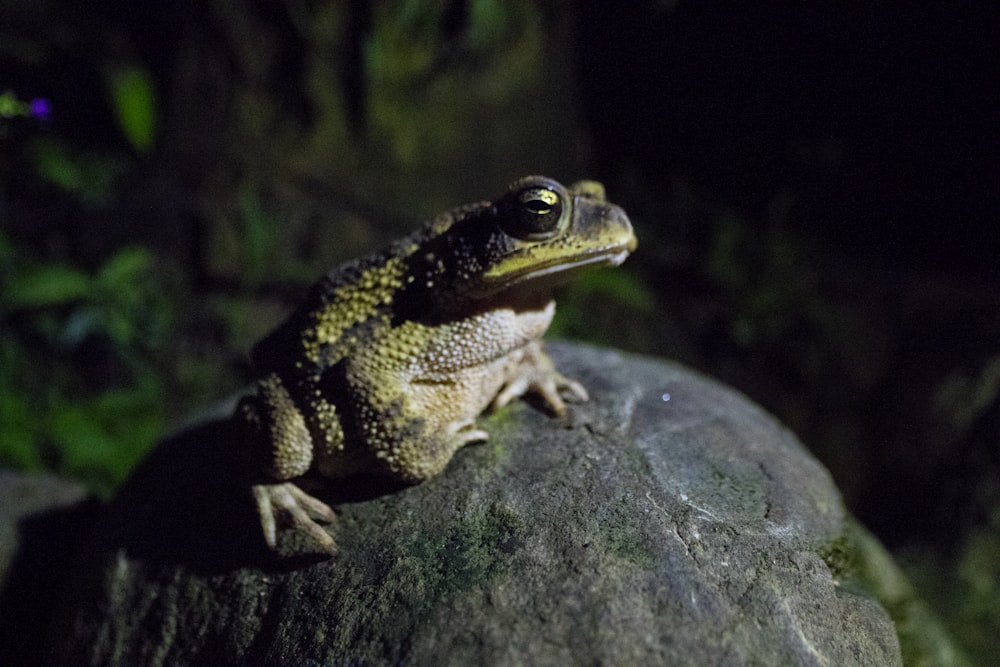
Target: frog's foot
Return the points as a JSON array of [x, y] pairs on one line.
[[465, 432], [294, 504], [538, 375]]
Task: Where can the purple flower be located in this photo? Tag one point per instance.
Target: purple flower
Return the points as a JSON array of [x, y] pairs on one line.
[[40, 108]]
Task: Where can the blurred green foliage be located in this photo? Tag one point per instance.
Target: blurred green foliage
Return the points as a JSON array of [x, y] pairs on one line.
[[964, 398], [766, 277], [133, 100], [968, 600], [87, 176], [79, 390], [976, 600], [603, 305], [408, 61], [260, 234]]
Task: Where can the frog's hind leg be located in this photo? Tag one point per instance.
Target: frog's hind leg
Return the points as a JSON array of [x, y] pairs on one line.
[[417, 448]]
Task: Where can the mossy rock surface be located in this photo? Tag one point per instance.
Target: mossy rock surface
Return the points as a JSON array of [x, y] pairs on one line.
[[668, 520]]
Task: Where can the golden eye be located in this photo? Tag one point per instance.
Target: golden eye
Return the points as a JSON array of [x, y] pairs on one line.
[[536, 213]]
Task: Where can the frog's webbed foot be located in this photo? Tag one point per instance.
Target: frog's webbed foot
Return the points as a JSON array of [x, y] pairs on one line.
[[298, 507], [537, 374]]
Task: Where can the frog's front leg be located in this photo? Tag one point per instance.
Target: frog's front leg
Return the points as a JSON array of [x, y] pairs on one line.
[[535, 373], [282, 449]]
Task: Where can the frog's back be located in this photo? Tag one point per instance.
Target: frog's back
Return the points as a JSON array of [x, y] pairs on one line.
[[340, 312]]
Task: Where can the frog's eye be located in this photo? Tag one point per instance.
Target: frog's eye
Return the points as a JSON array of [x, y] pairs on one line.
[[535, 214]]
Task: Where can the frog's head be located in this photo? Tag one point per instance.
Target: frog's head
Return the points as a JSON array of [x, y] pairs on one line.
[[538, 235]]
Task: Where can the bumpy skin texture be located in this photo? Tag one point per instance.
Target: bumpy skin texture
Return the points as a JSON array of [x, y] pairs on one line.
[[389, 360]]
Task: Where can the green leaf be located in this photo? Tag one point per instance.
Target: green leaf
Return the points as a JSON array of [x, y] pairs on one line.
[[81, 439], [259, 230], [56, 165], [124, 268], [88, 176], [134, 101], [50, 285], [18, 437], [102, 439]]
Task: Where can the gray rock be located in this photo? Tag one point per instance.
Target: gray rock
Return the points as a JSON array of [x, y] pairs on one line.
[[667, 521], [25, 497], [43, 520]]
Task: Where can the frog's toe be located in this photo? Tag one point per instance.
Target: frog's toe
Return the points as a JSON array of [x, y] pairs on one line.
[[572, 389], [550, 387], [512, 390], [303, 511], [467, 433], [475, 435], [554, 388]]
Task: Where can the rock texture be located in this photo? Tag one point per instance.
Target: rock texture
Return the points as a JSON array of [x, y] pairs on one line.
[[667, 521]]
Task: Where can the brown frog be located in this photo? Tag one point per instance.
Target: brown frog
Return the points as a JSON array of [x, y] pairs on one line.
[[388, 362]]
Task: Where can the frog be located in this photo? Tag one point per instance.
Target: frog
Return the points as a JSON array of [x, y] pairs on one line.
[[387, 362]]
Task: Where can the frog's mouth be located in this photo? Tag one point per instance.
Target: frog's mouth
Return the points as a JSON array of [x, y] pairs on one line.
[[558, 270]]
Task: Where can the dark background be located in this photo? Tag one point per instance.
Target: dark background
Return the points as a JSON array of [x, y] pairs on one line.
[[815, 187]]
